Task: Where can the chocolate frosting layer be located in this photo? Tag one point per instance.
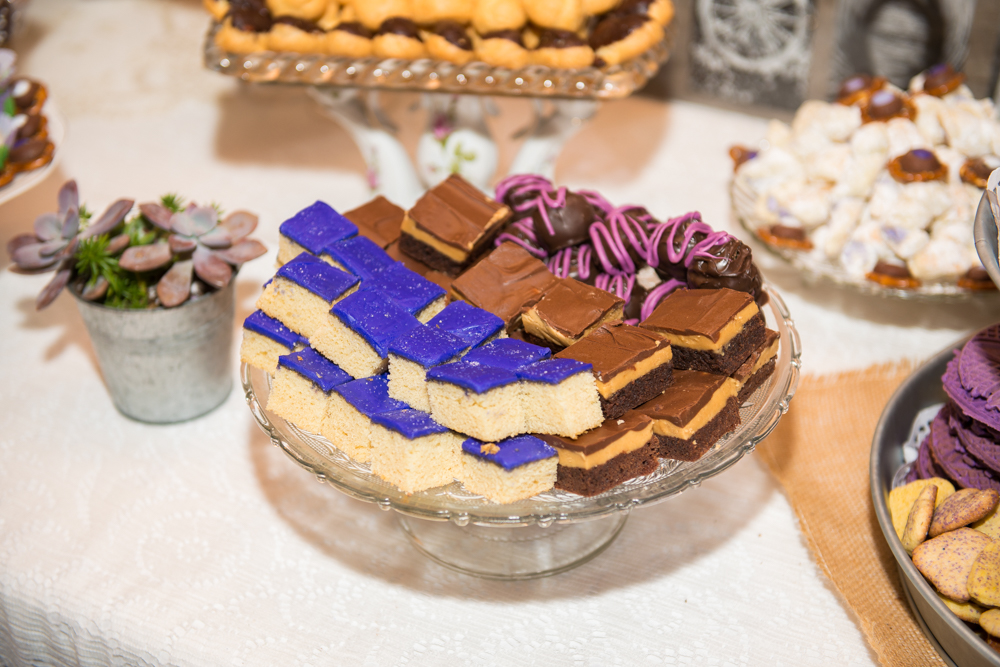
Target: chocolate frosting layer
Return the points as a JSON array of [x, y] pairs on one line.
[[976, 172], [454, 33], [854, 84], [615, 28], [250, 15], [503, 282], [633, 309], [919, 160], [942, 79], [682, 400], [668, 269], [302, 24], [884, 104], [455, 212], [570, 307], [27, 150], [697, 312], [892, 270], [746, 370], [614, 348], [598, 438], [379, 220], [551, 38], [570, 223], [730, 266], [633, 7], [399, 26]]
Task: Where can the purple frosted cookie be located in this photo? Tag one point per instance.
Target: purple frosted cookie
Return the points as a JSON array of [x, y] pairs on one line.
[[977, 440], [972, 378], [951, 455], [926, 466]]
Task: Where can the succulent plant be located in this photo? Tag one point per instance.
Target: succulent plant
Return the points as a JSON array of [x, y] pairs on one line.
[[163, 255]]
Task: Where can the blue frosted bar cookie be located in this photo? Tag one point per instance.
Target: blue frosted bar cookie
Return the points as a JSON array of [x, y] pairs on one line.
[[347, 423], [302, 291], [509, 470], [473, 325], [312, 229], [477, 400], [358, 255], [414, 293], [509, 354], [411, 355], [264, 340], [358, 335], [412, 451], [302, 387], [560, 397]]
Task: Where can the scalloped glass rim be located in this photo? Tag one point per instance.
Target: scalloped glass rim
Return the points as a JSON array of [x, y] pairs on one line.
[[743, 199], [759, 417], [437, 76]]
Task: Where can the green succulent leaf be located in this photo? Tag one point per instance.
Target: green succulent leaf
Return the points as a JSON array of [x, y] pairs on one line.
[[125, 289], [85, 215], [173, 201], [140, 232]]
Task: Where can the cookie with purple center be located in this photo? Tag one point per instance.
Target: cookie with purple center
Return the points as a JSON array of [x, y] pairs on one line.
[[312, 229], [916, 166], [509, 470], [972, 378], [301, 388]]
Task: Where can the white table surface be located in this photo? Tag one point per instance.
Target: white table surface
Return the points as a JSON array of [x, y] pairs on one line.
[[201, 544]]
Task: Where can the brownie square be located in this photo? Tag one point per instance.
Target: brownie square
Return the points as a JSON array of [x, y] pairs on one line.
[[569, 310], [379, 220]]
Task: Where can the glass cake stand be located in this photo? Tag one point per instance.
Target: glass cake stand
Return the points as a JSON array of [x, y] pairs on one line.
[[813, 268], [554, 531], [456, 138]]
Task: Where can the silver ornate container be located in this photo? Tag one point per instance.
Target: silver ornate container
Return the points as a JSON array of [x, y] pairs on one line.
[[165, 365]]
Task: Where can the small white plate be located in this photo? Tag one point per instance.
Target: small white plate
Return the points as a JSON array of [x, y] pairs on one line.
[[29, 179]]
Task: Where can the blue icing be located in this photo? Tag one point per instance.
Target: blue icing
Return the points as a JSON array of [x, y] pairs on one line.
[[318, 277], [375, 317], [264, 325], [427, 346], [408, 422], [473, 325], [514, 452], [317, 226], [411, 291], [508, 353], [359, 255], [552, 371], [370, 395], [471, 375], [312, 365]]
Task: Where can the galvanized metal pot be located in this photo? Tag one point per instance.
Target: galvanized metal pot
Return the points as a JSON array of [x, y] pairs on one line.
[[165, 365]]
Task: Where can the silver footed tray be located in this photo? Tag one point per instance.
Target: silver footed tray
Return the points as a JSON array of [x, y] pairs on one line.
[[759, 415], [427, 75]]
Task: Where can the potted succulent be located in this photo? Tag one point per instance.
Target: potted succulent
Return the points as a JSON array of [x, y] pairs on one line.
[[154, 287]]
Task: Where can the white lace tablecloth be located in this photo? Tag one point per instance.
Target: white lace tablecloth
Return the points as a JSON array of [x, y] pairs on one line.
[[201, 544]]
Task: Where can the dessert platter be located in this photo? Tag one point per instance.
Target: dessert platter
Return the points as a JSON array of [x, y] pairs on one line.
[[878, 190], [985, 229], [933, 448], [30, 130], [527, 409]]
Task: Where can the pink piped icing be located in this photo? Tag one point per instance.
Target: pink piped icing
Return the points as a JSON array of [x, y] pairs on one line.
[[619, 285], [610, 239], [597, 200], [522, 184], [701, 249], [656, 295], [561, 263]]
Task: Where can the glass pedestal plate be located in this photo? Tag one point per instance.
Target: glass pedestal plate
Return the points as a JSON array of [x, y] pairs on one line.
[[554, 531]]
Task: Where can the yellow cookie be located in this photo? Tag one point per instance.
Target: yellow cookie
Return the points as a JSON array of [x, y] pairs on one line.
[[967, 611], [901, 499], [962, 508], [984, 579], [990, 620], [947, 560], [989, 525], [300, 9], [920, 518]]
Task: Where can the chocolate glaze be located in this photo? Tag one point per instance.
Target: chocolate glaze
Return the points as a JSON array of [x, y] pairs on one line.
[[509, 35], [454, 33], [250, 15], [626, 7], [892, 270], [786, 232], [570, 307], [668, 269], [551, 38], [884, 104], [731, 266], [399, 26], [301, 24], [615, 28], [942, 79], [379, 220], [571, 223], [743, 373], [682, 400], [853, 85], [27, 100], [697, 312], [355, 28], [505, 281], [26, 151], [32, 123], [976, 172], [614, 348], [634, 305], [918, 161], [454, 211], [598, 438]]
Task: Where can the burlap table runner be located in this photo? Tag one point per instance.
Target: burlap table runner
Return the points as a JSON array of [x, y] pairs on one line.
[[819, 453]]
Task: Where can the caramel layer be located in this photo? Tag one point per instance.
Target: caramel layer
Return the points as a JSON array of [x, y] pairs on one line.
[[726, 390], [449, 251], [534, 325], [597, 447], [662, 356], [726, 334]]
